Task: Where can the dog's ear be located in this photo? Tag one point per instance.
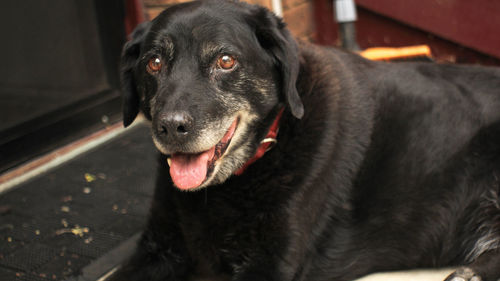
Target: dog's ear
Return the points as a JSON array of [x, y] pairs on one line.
[[275, 38], [130, 55]]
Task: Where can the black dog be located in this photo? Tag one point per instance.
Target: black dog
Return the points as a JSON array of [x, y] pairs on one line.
[[377, 166]]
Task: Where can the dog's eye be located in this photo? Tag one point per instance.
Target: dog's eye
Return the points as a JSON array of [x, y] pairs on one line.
[[226, 62], [154, 65]]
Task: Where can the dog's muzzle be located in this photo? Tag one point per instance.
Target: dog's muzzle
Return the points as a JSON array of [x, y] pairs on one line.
[[190, 170]]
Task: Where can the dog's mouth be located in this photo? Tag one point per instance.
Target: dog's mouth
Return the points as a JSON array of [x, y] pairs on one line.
[[189, 170]]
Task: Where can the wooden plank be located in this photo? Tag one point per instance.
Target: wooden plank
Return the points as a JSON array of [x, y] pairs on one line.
[[474, 24]]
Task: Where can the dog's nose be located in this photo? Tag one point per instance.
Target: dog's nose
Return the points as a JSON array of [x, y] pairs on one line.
[[175, 125]]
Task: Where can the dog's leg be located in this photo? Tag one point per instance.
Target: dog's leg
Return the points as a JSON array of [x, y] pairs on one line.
[[485, 268], [154, 261]]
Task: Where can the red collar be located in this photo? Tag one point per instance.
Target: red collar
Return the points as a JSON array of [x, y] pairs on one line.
[[265, 145]]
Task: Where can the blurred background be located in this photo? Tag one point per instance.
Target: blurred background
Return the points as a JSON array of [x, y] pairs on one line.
[[59, 91]]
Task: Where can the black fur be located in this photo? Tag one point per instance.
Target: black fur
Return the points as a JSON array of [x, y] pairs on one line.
[[130, 55], [390, 166]]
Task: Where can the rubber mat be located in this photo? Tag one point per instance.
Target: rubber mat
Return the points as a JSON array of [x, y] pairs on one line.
[[60, 222]]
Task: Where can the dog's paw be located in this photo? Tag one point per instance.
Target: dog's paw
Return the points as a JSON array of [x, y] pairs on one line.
[[464, 274]]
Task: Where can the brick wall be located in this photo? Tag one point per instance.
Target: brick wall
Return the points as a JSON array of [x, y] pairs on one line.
[[298, 14]]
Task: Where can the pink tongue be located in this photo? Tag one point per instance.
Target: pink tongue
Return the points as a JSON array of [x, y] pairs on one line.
[[189, 170]]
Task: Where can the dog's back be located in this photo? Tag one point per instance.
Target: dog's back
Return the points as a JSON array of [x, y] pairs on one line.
[[425, 191]]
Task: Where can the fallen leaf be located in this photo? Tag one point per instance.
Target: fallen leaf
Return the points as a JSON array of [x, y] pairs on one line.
[[77, 231], [90, 177]]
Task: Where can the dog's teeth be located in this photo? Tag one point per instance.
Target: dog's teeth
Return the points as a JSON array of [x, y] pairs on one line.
[[169, 161]]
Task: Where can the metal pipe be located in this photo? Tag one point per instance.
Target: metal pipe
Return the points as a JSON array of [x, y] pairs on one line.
[[345, 15], [277, 7]]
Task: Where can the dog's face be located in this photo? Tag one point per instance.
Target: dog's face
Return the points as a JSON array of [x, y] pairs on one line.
[[210, 76]]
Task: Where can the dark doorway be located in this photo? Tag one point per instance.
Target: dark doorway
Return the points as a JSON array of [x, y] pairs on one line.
[[58, 73]]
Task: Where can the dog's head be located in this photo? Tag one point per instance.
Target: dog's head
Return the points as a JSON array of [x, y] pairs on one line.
[[211, 76]]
